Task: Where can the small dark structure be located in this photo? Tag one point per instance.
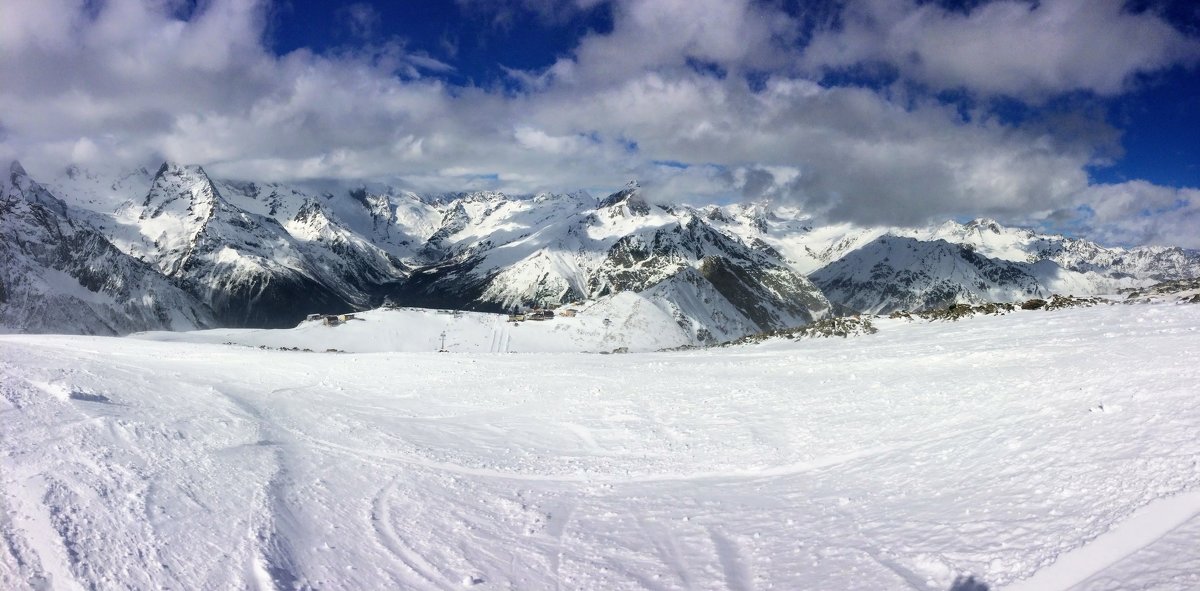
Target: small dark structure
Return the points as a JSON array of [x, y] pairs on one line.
[[330, 319], [1034, 304], [541, 315]]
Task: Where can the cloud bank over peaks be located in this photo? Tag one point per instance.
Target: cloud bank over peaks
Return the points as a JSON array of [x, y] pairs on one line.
[[698, 99], [1138, 212]]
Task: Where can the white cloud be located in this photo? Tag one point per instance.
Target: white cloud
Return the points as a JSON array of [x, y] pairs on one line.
[[503, 13], [1032, 50], [47, 24], [859, 156], [536, 139], [1138, 212], [134, 83], [361, 19], [649, 34]]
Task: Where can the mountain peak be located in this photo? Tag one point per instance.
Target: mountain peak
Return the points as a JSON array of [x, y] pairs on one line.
[[31, 190], [172, 173], [630, 196], [15, 173], [985, 224], [187, 185], [177, 169], [905, 273]]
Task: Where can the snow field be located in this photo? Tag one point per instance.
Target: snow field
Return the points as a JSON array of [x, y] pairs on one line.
[[987, 447], [634, 323]]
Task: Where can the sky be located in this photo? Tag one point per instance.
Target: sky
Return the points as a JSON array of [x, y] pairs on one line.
[[1077, 116]]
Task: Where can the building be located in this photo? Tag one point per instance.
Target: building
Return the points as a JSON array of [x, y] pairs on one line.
[[330, 319], [541, 315]]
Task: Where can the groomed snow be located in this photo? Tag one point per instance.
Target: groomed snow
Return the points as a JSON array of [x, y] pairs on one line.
[[623, 321], [989, 447]]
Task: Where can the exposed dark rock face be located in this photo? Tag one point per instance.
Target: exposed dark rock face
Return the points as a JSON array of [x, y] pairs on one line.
[[897, 273], [59, 274], [249, 268], [186, 250]]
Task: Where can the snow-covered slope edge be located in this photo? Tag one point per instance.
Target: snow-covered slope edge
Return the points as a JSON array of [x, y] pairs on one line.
[[925, 454], [60, 274], [624, 322]]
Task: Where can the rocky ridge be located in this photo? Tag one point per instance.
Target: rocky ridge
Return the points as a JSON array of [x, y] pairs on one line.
[[266, 254]]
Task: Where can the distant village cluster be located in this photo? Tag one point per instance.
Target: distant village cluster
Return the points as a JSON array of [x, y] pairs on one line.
[[330, 319], [518, 315], [540, 314]]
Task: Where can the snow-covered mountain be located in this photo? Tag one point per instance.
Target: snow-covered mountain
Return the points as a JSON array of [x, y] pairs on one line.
[[252, 269], [880, 269], [266, 254], [60, 274], [990, 238], [497, 253], [900, 273]]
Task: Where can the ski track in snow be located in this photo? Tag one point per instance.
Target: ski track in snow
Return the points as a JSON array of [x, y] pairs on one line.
[[1147, 525], [381, 519], [1031, 451], [497, 327]]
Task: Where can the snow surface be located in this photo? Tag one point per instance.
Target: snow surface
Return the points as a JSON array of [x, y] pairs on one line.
[[997, 448], [1064, 265], [264, 254], [634, 323]]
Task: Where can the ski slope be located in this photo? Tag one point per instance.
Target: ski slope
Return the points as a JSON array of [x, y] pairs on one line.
[[1037, 450], [626, 321]]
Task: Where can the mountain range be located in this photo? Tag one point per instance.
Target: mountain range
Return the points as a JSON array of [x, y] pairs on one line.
[[176, 249]]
